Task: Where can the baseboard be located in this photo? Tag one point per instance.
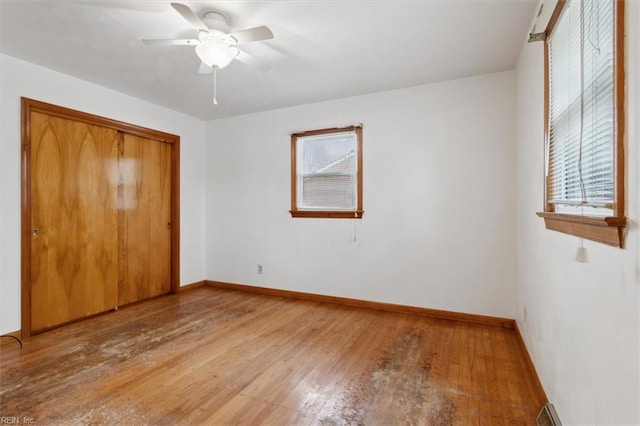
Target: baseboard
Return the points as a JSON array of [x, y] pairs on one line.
[[5, 340], [381, 306], [192, 286], [532, 368]]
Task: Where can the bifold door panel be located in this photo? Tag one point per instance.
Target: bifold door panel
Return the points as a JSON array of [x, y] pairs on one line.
[[74, 205], [145, 219]]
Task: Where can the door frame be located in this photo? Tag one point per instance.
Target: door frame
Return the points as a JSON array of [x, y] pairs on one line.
[[30, 105]]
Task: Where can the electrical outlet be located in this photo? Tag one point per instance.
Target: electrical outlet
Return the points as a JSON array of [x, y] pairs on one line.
[[524, 314], [259, 269]]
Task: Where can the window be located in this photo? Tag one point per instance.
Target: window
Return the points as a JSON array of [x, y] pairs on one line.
[[584, 99], [326, 173]]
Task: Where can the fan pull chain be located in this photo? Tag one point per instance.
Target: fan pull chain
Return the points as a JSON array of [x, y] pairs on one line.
[[215, 101]]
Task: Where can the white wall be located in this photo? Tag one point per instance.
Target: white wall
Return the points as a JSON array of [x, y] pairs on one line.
[[582, 323], [438, 228], [19, 78]]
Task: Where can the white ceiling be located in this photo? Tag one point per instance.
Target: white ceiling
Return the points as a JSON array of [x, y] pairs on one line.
[[321, 50]]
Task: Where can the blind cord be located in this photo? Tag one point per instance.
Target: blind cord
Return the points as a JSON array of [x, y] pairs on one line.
[[594, 114], [355, 231], [596, 46], [581, 255], [583, 193], [215, 89]]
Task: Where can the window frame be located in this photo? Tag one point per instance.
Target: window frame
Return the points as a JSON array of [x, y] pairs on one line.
[[607, 230], [322, 213]]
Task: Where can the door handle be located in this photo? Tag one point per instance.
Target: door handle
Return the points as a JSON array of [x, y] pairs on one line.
[[34, 233]]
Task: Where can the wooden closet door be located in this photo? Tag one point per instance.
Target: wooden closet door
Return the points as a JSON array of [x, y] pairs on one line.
[[74, 219], [145, 219]]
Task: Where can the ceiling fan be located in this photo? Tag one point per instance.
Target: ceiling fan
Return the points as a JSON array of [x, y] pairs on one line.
[[216, 46]]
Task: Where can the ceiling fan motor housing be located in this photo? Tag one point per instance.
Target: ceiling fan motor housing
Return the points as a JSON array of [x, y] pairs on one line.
[[216, 21]]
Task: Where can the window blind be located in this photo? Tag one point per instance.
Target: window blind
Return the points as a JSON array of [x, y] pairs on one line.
[[581, 150], [327, 171]]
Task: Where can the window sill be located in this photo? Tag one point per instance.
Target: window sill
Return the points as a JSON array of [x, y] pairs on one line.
[[606, 230], [337, 214]]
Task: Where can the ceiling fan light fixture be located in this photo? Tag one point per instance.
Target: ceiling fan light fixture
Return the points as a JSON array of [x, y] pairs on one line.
[[216, 54]]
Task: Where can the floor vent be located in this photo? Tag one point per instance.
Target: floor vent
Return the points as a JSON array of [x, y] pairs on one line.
[[548, 416]]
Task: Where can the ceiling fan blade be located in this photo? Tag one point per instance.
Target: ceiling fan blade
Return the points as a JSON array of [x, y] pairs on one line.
[[147, 6], [190, 16], [249, 60], [205, 69], [252, 34], [162, 42]]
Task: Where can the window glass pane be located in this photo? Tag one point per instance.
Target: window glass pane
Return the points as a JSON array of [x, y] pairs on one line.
[[581, 105], [327, 170]]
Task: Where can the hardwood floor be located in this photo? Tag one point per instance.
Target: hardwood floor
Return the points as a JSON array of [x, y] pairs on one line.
[[212, 356]]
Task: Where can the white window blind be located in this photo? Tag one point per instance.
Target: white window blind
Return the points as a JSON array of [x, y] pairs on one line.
[[327, 171], [582, 134]]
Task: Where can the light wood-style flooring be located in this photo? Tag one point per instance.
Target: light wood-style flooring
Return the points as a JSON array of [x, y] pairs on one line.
[[212, 356]]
